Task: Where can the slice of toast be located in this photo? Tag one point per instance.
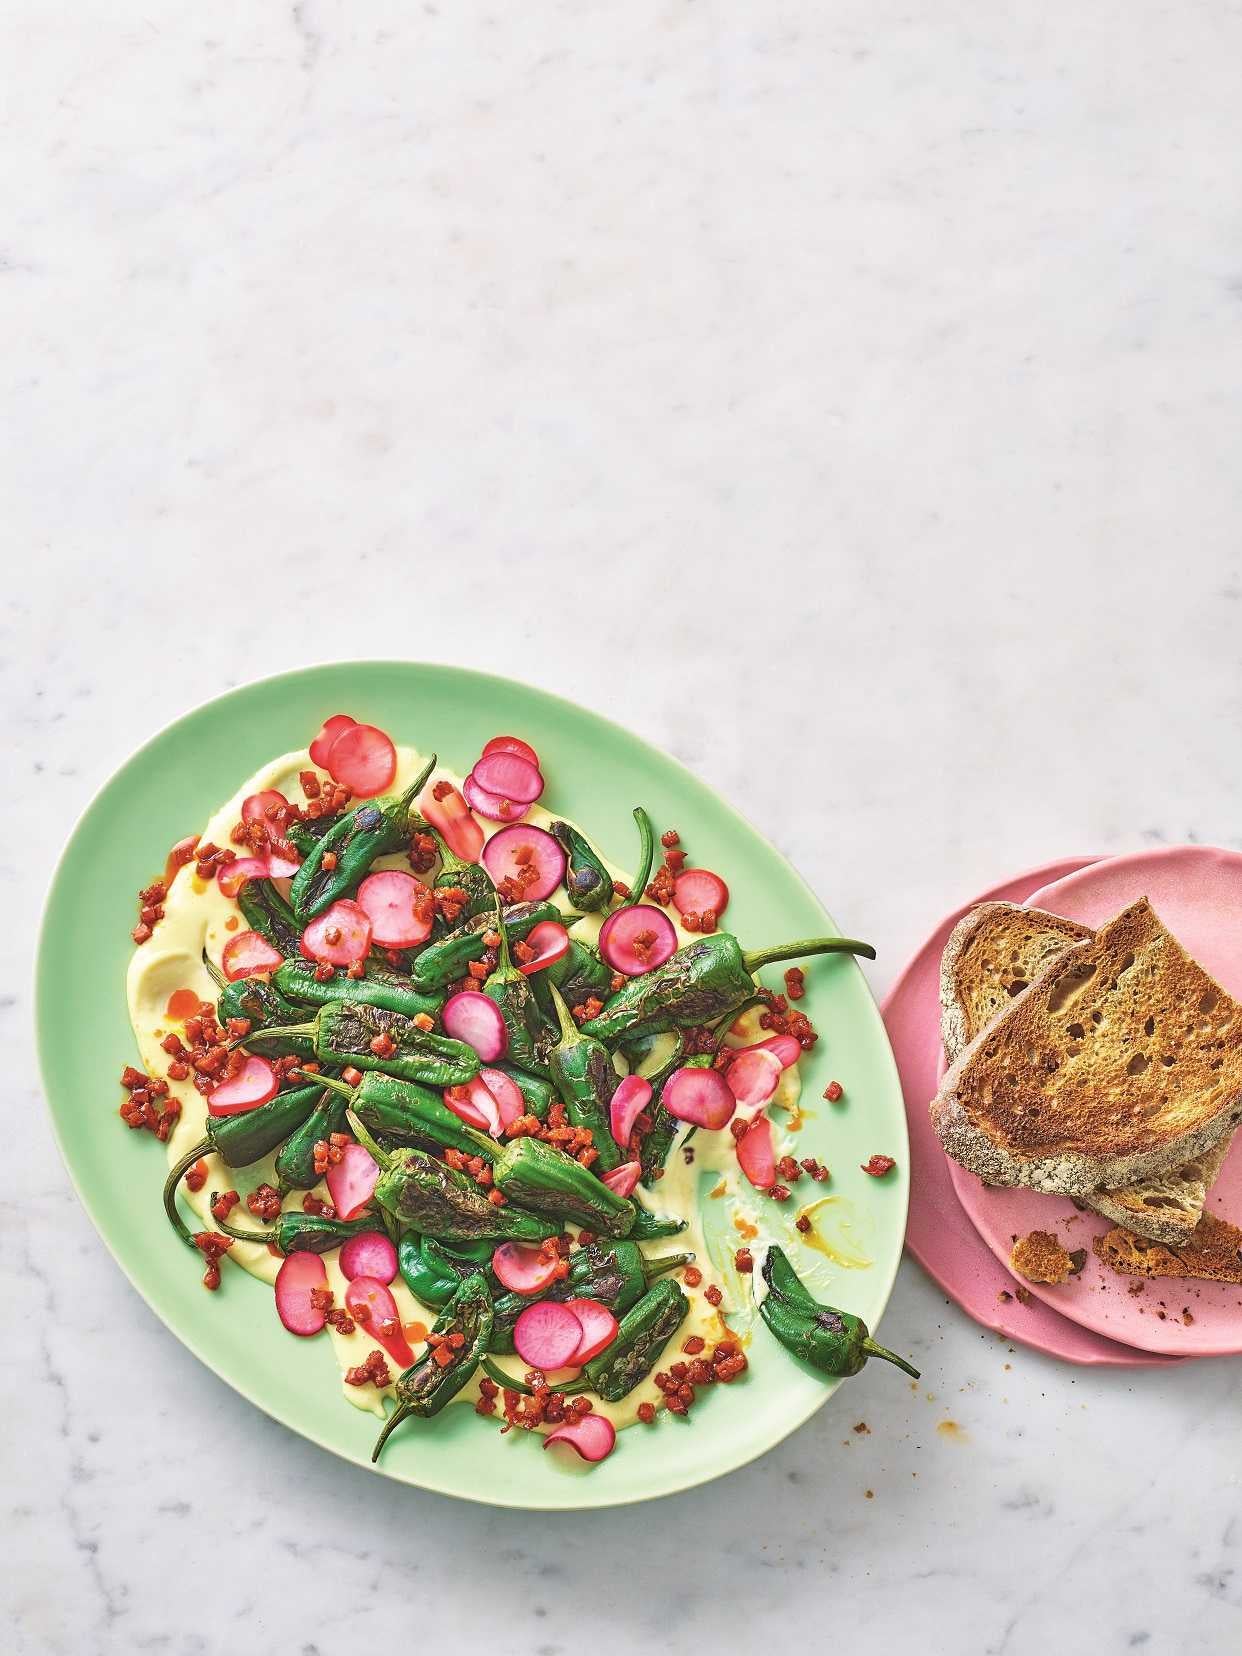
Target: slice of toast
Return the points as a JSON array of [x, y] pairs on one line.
[[1213, 1253], [993, 954], [1119, 1063]]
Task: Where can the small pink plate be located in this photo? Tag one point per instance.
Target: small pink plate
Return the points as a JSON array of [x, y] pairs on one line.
[[938, 1233], [1197, 892]]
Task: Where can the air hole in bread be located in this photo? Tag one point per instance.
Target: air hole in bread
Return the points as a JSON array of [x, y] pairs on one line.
[[1149, 1028], [1017, 986], [1071, 984], [1209, 1000], [1097, 1017], [1168, 1060], [1138, 1064], [1076, 1032]]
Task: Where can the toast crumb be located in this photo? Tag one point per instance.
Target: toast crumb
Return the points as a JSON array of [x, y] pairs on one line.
[[1039, 1257], [1213, 1253]]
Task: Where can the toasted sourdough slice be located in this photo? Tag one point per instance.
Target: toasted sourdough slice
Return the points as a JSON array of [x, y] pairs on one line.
[[1213, 1253], [993, 954], [1120, 1062]]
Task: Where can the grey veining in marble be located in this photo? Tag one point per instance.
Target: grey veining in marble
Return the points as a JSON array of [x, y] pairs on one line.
[[882, 364]]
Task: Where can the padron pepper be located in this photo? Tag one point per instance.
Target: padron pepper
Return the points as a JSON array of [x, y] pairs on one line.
[[298, 1232], [512, 993], [426, 1387], [448, 959], [834, 1342], [538, 1095], [587, 881], [261, 1004], [472, 878], [431, 1273], [617, 1274], [538, 1176], [355, 840], [295, 1160], [343, 1033], [644, 1331], [582, 1071], [403, 1113], [703, 981], [239, 1140], [578, 974], [648, 1226], [437, 1201], [296, 980], [266, 912], [658, 1140]]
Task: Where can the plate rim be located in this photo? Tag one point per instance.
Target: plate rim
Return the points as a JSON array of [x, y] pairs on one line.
[[884, 1277]]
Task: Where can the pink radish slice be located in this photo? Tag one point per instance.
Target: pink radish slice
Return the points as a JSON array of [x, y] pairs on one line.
[[701, 1096], [363, 760], [550, 940], [450, 817], [508, 1095], [472, 1017], [281, 868], [340, 935], [492, 806], [474, 1105], [788, 1049], [247, 953], [622, 1180], [752, 1076], [599, 1328], [321, 747], [297, 1276], [375, 1311], [351, 1181], [698, 890], [528, 855], [254, 1084], [391, 900], [231, 877], [635, 940], [509, 776], [756, 1155], [546, 1335], [593, 1436], [512, 744], [628, 1103], [255, 806], [525, 1270], [369, 1255]]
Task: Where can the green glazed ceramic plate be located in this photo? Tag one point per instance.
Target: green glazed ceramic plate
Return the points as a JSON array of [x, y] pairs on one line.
[[596, 772]]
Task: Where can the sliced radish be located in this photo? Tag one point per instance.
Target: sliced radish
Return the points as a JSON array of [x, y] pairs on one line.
[[701, 1096], [528, 855], [550, 940], [256, 806], [255, 1083], [281, 868], [698, 890], [637, 939], [628, 1103], [546, 1335], [788, 1049], [247, 953], [297, 1277], [450, 816], [321, 747], [363, 760], [340, 935], [474, 1018], [756, 1154], [351, 1181], [375, 1311], [525, 1270], [475, 1105], [231, 877], [593, 1436], [509, 776], [599, 1328], [492, 806], [622, 1180], [753, 1075], [512, 744], [369, 1255], [508, 1095], [399, 907]]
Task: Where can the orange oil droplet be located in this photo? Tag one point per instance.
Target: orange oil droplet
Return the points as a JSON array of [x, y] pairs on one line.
[[182, 1004]]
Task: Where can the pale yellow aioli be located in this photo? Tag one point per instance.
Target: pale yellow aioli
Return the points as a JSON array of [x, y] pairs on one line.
[[721, 1209]]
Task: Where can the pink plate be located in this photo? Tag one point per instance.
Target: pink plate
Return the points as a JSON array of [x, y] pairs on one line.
[[939, 1234], [1197, 892]]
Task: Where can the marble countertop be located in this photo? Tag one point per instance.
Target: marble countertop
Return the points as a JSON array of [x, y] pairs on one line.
[[844, 397]]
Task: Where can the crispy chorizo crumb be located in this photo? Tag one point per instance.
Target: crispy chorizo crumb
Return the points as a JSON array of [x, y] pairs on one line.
[[878, 1166]]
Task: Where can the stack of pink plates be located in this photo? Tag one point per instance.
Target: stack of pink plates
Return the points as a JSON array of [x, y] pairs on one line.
[[961, 1231]]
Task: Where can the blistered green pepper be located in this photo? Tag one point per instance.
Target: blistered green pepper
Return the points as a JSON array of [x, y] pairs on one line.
[[455, 873], [343, 1033], [265, 911], [578, 974], [426, 1387], [512, 993], [834, 1342], [261, 1004], [537, 1094], [538, 1176], [448, 959], [431, 1273], [644, 1331], [295, 1161], [435, 1200], [298, 1232], [361, 835], [296, 980], [617, 1274], [585, 1079], [402, 1112], [587, 881]]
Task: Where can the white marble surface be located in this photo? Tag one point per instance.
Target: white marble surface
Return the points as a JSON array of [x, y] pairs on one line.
[[881, 364]]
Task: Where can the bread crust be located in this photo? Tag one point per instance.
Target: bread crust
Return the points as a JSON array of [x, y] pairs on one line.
[[1212, 1254], [1018, 1108]]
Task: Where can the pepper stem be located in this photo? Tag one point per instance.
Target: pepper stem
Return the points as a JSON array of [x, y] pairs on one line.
[[234, 1230], [753, 959], [653, 1268], [272, 1032], [511, 1382], [730, 1018], [329, 1081], [175, 1176], [214, 972], [400, 1413], [570, 1033], [366, 1141], [874, 1350], [646, 856], [485, 1141], [415, 787]]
